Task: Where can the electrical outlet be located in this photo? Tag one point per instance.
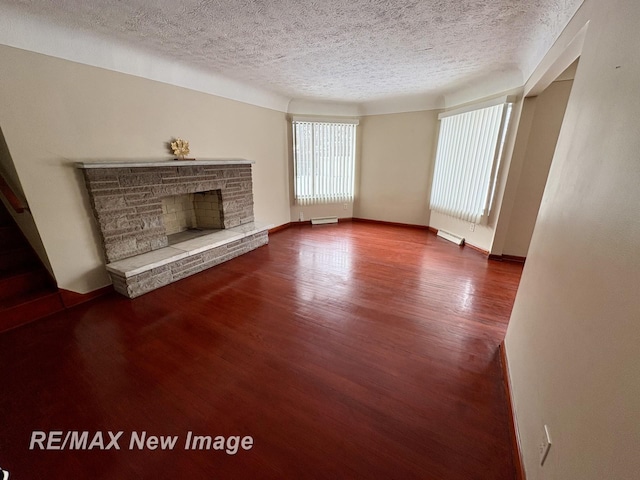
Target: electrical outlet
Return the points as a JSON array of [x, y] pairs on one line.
[[472, 227], [545, 445], [344, 206], [301, 216]]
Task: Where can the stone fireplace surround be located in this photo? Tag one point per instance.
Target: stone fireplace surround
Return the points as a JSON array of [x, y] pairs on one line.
[[127, 203]]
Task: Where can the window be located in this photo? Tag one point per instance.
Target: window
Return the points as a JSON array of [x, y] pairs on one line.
[[468, 159], [324, 161]]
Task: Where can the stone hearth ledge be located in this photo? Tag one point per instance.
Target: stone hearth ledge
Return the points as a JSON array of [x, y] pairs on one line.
[[129, 267]]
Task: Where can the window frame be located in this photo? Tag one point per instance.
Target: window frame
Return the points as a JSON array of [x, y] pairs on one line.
[[468, 159], [327, 183]]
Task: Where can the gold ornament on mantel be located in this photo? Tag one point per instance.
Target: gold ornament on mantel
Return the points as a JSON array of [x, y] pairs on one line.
[[180, 148]]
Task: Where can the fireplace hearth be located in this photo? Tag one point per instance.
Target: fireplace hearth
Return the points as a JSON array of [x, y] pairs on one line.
[[162, 221]]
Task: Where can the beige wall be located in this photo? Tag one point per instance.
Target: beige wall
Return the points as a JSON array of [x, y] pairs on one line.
[[396, 167], [542, 137], [55, 112], [574, 335]]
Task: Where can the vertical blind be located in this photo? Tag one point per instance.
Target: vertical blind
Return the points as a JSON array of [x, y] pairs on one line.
[[324, 161], [467, 161]]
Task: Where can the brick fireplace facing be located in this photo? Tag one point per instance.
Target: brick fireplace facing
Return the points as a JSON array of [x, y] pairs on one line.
[[133, 205]]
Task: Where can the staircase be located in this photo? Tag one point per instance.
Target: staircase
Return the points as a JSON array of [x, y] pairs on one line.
[[27, 292]]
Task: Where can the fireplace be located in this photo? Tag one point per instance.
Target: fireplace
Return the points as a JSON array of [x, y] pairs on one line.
[[192, 214], [162, 221]]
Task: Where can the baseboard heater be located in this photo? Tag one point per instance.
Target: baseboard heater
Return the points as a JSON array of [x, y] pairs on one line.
[[323, 220], [451, 237]]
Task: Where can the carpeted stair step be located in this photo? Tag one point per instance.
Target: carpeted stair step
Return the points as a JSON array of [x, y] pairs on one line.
[[22, 282], [5, 217], [10, 237], [30, 307], [20, 258], [27, 292]]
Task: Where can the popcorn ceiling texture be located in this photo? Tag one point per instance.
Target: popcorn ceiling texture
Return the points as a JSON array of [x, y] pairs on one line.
[[333, 50]]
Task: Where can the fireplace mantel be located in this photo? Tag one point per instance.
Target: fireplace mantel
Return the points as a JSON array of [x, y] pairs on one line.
[[166, 163], [127, 201]]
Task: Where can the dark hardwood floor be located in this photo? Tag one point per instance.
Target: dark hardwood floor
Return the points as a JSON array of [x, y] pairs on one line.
[[350, 351]]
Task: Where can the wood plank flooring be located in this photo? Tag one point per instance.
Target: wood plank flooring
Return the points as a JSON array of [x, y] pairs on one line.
[[350, 351]]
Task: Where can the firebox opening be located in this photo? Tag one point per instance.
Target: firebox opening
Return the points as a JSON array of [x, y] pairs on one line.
[[192, 214]]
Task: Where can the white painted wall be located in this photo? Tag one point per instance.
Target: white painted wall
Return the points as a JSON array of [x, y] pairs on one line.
[[542, 137], [396, 167], [574, 335], [56, 112]]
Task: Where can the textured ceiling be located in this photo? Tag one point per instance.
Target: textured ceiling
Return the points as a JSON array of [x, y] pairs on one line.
[[332, 50]]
